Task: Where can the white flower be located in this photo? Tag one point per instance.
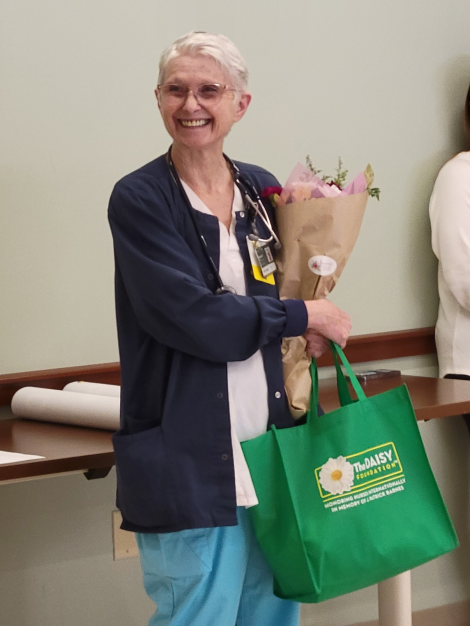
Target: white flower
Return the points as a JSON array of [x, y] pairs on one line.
[[337, 475]]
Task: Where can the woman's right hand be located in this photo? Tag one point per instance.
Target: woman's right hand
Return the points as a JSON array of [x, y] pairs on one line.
[[328, 320]]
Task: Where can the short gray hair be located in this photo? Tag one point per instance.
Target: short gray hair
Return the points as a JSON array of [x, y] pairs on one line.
[[219, 47]]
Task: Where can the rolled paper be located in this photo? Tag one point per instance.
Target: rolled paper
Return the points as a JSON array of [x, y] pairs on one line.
[[99, 389], [67, 407]]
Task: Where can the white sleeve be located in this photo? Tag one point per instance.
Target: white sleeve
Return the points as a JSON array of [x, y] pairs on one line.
[[449, 211]]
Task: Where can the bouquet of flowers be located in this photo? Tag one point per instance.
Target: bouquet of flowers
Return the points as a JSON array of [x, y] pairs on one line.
[[318, 220]]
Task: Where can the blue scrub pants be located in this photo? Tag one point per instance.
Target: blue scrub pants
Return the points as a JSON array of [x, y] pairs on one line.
[[212, 577]]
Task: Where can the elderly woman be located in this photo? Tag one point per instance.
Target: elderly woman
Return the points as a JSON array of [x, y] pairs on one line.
[[199, 340]]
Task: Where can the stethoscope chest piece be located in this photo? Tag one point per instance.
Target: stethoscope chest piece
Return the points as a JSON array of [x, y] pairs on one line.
[[220, 291]]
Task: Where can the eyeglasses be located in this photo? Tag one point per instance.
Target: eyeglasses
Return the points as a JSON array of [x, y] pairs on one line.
[[204, 94]]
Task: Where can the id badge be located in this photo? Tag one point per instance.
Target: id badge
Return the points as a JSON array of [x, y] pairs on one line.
[[262, 261]]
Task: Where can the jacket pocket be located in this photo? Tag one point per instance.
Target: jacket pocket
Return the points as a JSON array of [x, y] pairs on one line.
[[145, 487]]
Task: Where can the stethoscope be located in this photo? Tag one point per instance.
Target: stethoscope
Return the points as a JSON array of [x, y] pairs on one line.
[[253, 204]]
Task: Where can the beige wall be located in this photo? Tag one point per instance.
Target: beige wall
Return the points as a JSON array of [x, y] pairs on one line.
[[379, 82]]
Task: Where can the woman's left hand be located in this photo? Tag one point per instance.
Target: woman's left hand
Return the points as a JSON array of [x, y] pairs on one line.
[[316, 344]]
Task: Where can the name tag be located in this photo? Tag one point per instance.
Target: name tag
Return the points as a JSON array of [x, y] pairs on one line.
[[262, 261]]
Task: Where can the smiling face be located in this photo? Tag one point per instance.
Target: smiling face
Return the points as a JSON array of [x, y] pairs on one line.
[[193, 125]]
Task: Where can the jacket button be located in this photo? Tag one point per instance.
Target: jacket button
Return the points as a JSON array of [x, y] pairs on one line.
[[278, 394], [210, 276], [220, 395], [224, 457]]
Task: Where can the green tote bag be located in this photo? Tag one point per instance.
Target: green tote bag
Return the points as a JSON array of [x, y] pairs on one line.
[[347, 499]]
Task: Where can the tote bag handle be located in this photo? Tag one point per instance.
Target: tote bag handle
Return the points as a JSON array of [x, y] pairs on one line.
[[342, 385], [343, 390]]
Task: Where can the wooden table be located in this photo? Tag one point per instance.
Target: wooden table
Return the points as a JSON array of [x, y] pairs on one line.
[[431, 397], [69, 449]]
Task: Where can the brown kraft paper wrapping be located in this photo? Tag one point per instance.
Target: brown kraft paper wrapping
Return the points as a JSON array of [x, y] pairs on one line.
[[320, 226]]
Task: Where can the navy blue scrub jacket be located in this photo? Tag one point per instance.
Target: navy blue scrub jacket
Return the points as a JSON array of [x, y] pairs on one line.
[[173, 450]]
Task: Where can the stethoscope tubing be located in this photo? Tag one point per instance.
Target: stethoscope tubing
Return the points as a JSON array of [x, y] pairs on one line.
[[257, 204], [222, 288], [247, 190]]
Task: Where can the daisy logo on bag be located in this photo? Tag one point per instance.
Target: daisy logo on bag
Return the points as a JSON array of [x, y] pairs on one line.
[[359, 472], [337, 475]]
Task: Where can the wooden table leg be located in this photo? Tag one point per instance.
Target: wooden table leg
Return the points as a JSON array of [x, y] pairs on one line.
[[395, 601]]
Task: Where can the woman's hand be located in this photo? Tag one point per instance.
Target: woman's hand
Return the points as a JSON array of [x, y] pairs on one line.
[[327, 320], [316, 344]]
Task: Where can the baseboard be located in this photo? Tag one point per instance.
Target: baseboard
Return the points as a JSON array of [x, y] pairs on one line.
[[449, 615]]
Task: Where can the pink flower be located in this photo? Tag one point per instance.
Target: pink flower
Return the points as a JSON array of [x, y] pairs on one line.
[[270, 191]]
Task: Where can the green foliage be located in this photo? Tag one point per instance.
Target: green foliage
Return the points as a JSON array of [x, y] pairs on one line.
[[374, 192], [340, 178], [311, 167]]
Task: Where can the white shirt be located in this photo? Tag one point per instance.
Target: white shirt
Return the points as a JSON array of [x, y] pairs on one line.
[[449, 211], [247, 386]]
